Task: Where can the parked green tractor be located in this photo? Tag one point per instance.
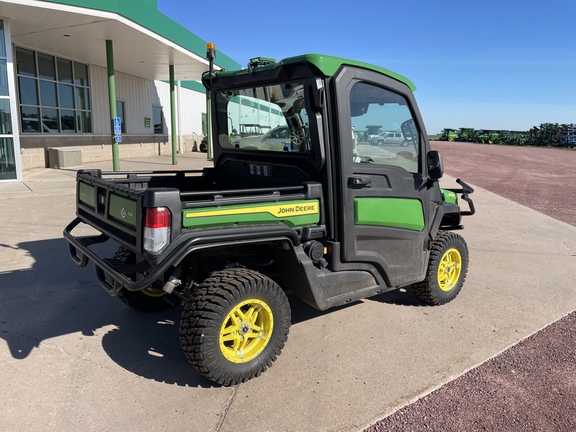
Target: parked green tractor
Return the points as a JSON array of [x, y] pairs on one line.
[[449, 135]]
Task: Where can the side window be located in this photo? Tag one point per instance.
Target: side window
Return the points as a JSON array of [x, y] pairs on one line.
[[383, 130]]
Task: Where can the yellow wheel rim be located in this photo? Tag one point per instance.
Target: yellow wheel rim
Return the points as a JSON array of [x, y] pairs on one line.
[[150, 292], [246, 331], [153, 292], [449, 269]]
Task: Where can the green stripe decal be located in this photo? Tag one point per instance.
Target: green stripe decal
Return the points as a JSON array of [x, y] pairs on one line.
[[293, 213], [389, 212]]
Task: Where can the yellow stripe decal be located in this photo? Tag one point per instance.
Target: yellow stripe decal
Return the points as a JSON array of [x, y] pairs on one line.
[[278, 210]]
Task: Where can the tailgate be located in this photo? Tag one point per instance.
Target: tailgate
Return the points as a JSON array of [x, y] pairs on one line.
[[112, 208]]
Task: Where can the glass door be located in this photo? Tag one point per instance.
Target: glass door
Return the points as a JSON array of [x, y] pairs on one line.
[[10, 166]]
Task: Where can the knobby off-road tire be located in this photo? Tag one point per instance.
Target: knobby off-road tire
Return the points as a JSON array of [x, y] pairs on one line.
[[147, 300], [447, 269], [235, 325]]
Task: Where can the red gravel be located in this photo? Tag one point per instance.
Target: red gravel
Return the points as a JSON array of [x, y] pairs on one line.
[[540, 178], [531, 386]]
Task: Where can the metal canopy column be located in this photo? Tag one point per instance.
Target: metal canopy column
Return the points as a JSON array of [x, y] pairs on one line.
[[112, 101], [173, 133]]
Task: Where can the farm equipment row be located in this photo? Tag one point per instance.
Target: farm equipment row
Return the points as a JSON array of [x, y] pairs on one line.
[[548, 134]]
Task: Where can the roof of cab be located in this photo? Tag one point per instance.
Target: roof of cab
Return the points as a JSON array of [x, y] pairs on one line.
[[328, 65]]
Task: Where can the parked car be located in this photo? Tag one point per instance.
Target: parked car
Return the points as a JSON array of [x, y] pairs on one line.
[[382, 138], [277, 137]]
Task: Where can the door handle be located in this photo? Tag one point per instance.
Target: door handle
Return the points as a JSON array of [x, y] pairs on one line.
[[359, 182]]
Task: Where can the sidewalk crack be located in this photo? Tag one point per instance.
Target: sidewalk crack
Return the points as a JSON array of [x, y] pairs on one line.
[[226, 410]]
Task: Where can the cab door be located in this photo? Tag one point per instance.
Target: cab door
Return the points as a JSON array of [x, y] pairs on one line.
[[384, 202]]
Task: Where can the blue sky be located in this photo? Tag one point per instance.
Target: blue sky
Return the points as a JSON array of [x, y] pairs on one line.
[[488, 65]]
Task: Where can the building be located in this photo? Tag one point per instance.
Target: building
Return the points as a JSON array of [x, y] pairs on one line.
[[68, 67]]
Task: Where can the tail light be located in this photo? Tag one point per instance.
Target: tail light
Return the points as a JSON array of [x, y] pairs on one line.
[[157, 223]]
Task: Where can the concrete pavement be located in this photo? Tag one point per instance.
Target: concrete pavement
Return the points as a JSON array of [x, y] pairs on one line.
[[73, 357]]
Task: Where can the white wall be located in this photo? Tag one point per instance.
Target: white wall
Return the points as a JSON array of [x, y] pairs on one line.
[[191, 106], [139, 96]]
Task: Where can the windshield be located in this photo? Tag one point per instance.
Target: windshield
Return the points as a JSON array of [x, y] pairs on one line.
[[270, 118]]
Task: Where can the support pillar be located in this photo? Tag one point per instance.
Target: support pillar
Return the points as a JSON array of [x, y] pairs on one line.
[[112, 101], [174, 133]]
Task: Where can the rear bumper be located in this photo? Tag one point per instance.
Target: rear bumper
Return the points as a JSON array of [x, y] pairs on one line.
[[81, 254], [112, 273]]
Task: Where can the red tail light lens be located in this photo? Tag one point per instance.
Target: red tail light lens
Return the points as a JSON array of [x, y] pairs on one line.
[[158, 217], [157, 223]]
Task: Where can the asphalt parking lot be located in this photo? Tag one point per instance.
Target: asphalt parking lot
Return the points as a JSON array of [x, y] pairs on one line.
[[72, 357]]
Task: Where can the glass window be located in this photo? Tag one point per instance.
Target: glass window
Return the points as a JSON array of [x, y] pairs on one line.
[[80, 74], [66, 95], [50, 123], [25, 62], [3, 78], [271, 118], [2, 40], [65, 71], [383, 130], [120, 113], [59, 92], [67, 121], [157, 118], [7, 159], [84, 123], [5, 117], [28, 91], [82, 98], [48, 94], [29, 117], [46, 66]]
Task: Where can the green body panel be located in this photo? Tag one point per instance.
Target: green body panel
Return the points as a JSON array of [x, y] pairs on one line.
[[389, 212], [86, 195], [449, 196], [293, 213], [328, 65], [123, 210]]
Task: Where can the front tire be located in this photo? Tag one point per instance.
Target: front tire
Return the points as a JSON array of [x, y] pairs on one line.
[[235, 325], [447, 270]]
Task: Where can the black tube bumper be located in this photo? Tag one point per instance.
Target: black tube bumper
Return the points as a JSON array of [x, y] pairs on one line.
[[80, 253]]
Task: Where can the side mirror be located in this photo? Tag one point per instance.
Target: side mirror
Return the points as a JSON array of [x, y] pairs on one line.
[[435, 165]]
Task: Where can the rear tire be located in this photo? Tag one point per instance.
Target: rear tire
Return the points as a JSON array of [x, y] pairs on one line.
[[149, 299], [447, 269], [235, 325]]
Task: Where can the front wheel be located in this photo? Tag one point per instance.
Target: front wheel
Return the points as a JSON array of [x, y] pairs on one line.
[[447, 269], [235, 325]]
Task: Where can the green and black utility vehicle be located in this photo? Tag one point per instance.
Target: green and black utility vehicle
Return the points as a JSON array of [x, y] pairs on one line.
[[316, 211]]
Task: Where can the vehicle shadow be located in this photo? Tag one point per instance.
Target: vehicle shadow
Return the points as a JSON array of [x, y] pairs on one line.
[[400, 297], [55, 298]]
